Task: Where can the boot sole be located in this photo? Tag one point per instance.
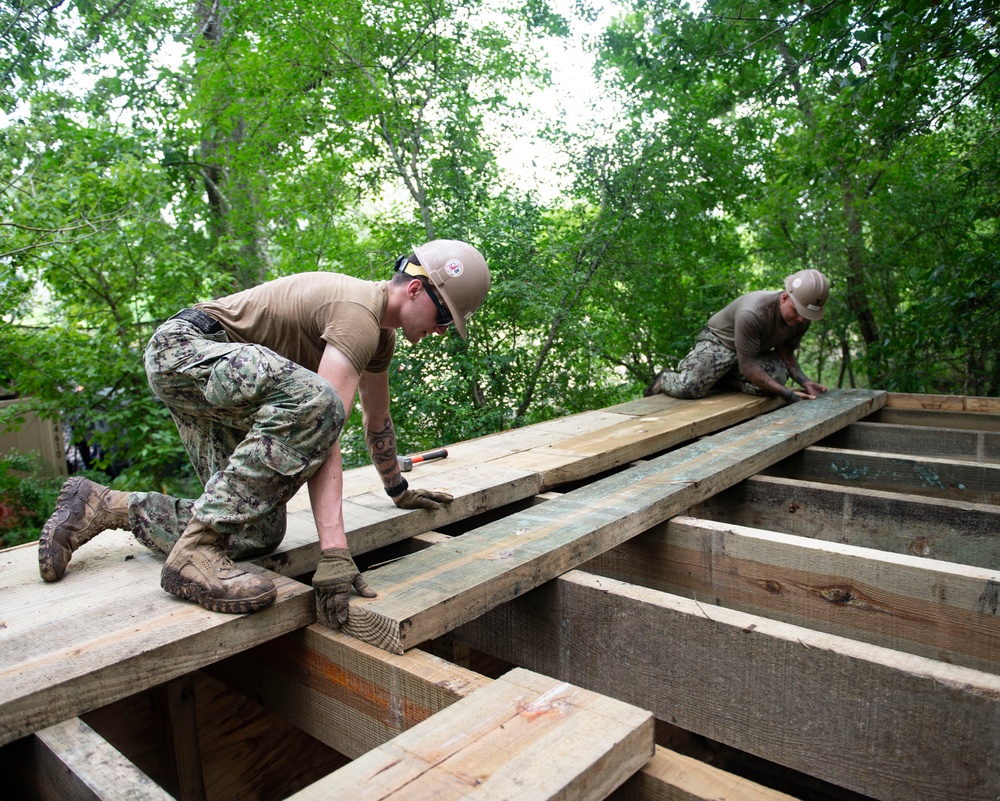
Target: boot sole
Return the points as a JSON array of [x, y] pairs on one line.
[[175, 584], [50, 562]]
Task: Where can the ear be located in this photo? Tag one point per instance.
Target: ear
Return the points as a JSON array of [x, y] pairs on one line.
[[414, 288]]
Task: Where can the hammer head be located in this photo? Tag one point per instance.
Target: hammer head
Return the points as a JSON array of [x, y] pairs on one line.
[[405, 463]]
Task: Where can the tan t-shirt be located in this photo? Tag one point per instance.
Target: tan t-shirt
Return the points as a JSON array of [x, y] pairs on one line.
[[297, 315], [752, 325]]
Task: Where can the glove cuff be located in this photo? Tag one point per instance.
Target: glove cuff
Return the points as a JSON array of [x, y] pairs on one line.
[[336, 553], [397, 489]]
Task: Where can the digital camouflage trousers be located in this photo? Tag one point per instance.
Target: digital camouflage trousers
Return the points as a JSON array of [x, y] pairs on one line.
[[256, 427], [710, 364]]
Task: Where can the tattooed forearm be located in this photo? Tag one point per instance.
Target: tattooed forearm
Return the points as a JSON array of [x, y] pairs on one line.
[[382, 447]]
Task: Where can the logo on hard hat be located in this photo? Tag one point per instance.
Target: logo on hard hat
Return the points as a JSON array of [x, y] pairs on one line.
[[453, 267], [796, 283]]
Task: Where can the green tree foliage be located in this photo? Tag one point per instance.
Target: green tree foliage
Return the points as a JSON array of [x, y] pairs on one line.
[[861, 129]]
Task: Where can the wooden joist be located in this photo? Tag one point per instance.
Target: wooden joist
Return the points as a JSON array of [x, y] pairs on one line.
[[955, 531], [355, 697], [921, 606], [978, 482], [524, 736], [71, 762], [428, 593], [967, 445], [886, 724]]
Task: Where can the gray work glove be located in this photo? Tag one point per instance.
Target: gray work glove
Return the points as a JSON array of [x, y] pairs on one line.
[[335, 574], [421, 499]]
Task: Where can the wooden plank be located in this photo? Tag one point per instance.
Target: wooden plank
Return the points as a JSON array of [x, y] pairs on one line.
[[585, 455], [891, 726], [108, 630], [920, 606], [428, 593], [71, 762], [980, 446], [978, 482], [348, 694], [955, 531], [372, 521], [980, 421], [355, 697], [524, 736], [964, 403], [670, 776]]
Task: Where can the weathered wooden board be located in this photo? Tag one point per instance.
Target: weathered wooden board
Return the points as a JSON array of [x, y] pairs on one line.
[[670, 776], [71, 762], [524, 736], [348, 694], [107, 630], [979, 421], [571, 459], [935, 528], [951, 403], [426, 594], [372, 521], [920, 606], [966, 444], [978, 482], [889, 725]]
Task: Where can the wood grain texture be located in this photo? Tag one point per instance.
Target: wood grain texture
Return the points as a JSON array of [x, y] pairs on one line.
[[426, 594], [885, 724], [920, 475], [967, 445], [573, 458], [524, 736], [71, 762], [953, 403], [920, 606], [107, 630], [934, 528]]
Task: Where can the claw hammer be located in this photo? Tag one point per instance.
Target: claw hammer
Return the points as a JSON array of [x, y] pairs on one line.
[[406, 462]]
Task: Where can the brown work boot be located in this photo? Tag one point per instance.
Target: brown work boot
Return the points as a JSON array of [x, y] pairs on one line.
[[84, 509], [198, 569]]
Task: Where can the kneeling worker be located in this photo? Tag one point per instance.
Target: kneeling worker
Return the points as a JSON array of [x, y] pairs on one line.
[[751, 344], [259, 384]]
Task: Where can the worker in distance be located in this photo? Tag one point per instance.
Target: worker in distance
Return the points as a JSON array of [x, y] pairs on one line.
[[750, 344], [259, 384]]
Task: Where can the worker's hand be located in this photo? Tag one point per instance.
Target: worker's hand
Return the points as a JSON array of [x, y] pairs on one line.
[[421, 499], [814, 389], [335, 574]]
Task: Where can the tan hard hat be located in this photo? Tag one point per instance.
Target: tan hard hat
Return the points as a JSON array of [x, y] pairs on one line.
[[459, 273], [808, 290]]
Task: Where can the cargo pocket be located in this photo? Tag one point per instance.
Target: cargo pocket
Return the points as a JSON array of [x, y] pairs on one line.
[[245, 376]]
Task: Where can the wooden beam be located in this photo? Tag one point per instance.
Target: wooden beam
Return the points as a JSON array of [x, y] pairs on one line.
[[426, 594], [71, 762], [888, 725], [920, 606], [349, 695], [920, 475], [355, 697], [962, 403], [955, 531], [593, 452], [968, 445], [979, 421], [372, 521], [524, 736], [670, 776], [107, 631]]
